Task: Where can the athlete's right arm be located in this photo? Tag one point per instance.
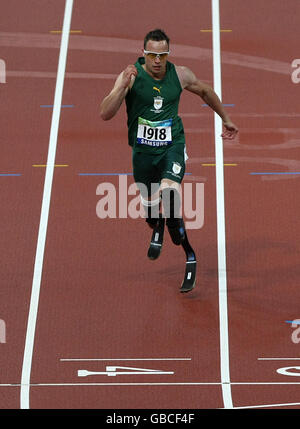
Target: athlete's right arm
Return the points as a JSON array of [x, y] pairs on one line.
[[112, 102]]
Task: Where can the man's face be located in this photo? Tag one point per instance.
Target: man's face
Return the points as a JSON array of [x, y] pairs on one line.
[[156, 66]]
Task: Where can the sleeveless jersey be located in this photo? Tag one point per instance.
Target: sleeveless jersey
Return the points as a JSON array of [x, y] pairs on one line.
[[152, 111]]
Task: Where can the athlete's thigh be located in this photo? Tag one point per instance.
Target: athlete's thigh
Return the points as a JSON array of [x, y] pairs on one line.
[[145, 173], [173, 166]]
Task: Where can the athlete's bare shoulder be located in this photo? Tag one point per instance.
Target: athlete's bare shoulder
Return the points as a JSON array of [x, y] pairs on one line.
[[185, 75], [189, 81]]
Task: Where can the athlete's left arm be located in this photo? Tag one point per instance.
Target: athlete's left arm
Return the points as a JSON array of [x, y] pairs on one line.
[[190, 82]]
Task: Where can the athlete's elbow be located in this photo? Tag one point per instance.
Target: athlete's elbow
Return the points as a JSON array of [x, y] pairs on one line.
[[105, 115]]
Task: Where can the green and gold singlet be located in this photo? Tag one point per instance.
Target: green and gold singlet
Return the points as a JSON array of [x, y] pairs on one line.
[[152, 110]]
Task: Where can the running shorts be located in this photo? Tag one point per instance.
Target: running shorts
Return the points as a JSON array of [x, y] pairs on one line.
[[150, 168]]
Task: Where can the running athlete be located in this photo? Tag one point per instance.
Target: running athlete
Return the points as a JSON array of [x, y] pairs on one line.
[[151, 89]]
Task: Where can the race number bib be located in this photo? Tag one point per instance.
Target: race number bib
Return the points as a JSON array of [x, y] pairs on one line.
[[155, 134]]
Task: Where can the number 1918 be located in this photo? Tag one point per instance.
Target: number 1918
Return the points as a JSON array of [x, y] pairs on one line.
[[155, 133]]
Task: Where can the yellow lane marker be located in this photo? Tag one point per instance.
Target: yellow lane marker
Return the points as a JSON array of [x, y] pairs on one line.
[[71, 31], [222, 31], [212, 165], [45, 165]]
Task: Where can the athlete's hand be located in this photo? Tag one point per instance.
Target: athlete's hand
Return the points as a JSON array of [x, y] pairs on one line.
[[231, 130], [128, 76]]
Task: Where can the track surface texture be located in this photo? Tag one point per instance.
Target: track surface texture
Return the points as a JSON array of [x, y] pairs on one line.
[[100, 304]]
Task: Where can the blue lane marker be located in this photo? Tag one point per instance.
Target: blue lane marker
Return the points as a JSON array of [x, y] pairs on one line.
[[285, 172], [10, 174], [292, 321], [51, 105]]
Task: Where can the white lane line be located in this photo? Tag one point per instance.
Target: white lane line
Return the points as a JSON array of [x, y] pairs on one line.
[[278, 358], [223, 316], [38, 266], [217, 383], [127, 359], [267, 406]]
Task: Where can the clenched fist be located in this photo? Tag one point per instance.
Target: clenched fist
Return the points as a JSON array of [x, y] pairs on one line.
[[128, 75]]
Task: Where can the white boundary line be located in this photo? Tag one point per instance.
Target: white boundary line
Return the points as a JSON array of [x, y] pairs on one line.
[[268, 406], [223, 316], [174, 383], [278, 358], [127, 359], [38, 266]]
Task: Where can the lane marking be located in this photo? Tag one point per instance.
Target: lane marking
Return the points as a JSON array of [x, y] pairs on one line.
[[249, 115], [38, 265], [55, 165], [9, 174], [217, 383], [105, 174], [213, 165], [269, 405], [62, 106], [153, 384], [210, 31], [286, 371], [221, 235], [126, 359], [265, 173], [113, 174], [52, 75], [112, 371], [70, 32], [285, 358], [225, 105]]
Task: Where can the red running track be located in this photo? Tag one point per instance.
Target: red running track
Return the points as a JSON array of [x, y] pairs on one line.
[[102, 302]]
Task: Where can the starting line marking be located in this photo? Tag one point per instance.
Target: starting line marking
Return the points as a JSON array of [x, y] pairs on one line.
[[212, 383], [112, 371]]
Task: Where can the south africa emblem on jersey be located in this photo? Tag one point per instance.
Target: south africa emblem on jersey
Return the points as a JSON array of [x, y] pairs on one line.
[[158, 102], [176, 168]]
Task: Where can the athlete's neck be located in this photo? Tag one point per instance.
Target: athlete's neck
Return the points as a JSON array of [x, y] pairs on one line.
[[155, 76]]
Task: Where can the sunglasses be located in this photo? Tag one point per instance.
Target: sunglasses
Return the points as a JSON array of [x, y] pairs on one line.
[[154, 55]]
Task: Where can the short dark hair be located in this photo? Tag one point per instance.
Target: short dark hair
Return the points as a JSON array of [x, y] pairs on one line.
[[156, 35]]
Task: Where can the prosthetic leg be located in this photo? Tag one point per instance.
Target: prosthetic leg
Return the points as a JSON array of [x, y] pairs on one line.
[[178, 234], [190, 267], [156, 222]]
